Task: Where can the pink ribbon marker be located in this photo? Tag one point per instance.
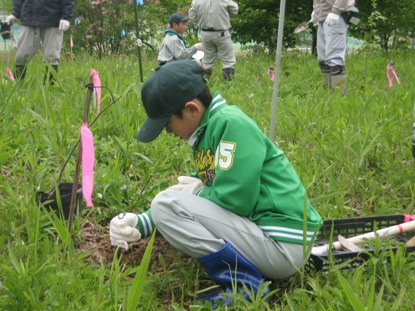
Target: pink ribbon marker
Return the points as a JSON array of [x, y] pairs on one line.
[[270, 74], [8, 70], [408, 217], [88, 162], [97, 86], [71, 41], [390, 70], [10, 73]]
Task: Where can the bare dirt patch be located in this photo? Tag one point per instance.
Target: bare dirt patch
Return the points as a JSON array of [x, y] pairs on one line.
[[94, 240]]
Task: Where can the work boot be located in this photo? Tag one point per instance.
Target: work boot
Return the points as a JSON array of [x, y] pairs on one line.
[[230, 267], [338, 78], [207, 73], [326, 75], [20, 73], [228, 73], [50, 74]]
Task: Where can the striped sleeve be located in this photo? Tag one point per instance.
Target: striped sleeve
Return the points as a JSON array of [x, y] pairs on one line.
[[145, 224], [287, 234]]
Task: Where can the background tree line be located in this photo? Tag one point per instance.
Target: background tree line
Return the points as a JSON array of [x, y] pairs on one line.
[[108, 26]]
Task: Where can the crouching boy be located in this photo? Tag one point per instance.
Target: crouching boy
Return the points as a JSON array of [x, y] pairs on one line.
[[241, 214]]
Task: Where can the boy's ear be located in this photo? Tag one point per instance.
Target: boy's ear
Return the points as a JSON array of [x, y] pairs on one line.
[[192, 106]]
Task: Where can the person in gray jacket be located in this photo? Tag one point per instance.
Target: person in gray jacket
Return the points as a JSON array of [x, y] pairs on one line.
[[213, 18], [331, 40], [174, 47], [43, 24]]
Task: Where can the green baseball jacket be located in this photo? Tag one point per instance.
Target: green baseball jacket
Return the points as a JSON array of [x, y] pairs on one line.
[[244, 172]]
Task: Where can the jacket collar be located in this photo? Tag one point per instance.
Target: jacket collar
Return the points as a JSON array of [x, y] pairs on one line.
[[217, 103], [171, 32]]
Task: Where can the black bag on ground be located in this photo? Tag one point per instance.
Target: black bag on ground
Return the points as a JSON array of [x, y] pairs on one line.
[[49, 198]]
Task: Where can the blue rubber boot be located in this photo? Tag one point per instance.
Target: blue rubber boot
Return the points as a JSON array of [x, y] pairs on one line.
[[230, 267]]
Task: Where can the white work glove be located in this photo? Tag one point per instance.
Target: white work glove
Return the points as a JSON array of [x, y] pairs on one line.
[[332, 19], [188, 184], [11, 19], [63, 25], [123, 229], [198, 46], [139, 42]]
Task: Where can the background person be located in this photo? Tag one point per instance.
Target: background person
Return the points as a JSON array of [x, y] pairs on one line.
[[174, 47], [331, 40], [43, 23], [213, 18], [242, 215]]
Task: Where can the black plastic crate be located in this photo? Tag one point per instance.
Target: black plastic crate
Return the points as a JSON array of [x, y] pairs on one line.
[[350, 227]]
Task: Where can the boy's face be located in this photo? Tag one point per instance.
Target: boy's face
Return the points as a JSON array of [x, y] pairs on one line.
[[185, 126], [180, 27]]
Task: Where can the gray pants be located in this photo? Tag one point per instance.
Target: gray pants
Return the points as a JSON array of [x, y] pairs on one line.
[[199, 227], [331, 43], [32, 38], [217, 44]]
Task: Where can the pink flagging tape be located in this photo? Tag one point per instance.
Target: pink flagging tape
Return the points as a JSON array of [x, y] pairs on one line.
[[97, 87], [88, 162]]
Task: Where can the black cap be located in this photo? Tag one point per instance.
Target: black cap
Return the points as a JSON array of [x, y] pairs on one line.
[[177, 18], [166, 92]]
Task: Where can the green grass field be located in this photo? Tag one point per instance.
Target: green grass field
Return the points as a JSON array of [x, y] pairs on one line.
[[353, 154]]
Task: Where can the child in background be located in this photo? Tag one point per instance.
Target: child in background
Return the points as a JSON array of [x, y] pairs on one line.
[[174, 47]]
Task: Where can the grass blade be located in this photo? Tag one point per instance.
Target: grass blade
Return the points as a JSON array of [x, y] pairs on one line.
[[140, 278]]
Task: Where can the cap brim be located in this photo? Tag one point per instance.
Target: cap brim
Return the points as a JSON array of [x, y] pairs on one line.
[[151, 129]]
